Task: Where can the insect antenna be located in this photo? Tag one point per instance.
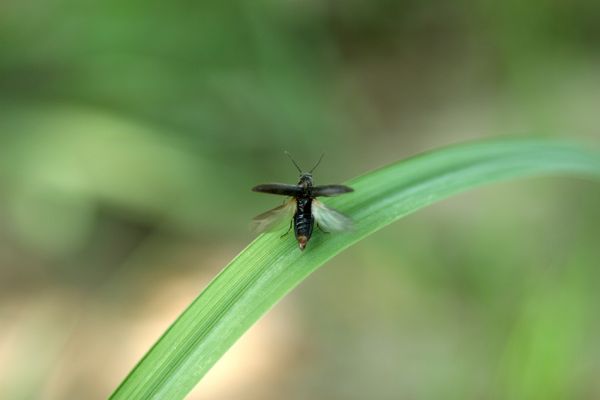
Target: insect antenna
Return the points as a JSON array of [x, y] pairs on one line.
[[317, 164], [295, 163]]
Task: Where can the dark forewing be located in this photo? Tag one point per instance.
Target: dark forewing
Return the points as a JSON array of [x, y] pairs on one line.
[[278, 188], [330, 190], [275, 218], [330, 220]]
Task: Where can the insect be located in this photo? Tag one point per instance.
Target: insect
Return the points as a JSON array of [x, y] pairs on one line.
[[303, 207]]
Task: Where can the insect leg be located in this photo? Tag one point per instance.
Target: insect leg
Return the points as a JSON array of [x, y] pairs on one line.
[[288, 231], [321, 229]]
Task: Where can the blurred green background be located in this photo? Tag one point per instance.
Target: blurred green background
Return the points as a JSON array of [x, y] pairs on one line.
[[131, 133]]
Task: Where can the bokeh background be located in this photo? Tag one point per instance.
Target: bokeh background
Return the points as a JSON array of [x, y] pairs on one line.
[[131, 132]]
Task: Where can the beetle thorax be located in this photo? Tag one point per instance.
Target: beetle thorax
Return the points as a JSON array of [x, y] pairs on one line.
[[305, 181]]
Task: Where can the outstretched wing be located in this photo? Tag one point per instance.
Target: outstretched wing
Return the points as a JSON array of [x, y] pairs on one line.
[[330, 190], [279, 188], [275, 218], [330, 220]]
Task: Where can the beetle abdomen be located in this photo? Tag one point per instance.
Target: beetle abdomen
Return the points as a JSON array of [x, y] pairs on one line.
[[303, 221]]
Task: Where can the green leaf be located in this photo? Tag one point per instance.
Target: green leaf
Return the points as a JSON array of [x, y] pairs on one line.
[[269, 267]]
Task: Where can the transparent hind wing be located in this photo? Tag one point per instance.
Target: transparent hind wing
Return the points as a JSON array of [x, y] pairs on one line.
[[330, 220], [274, 219]]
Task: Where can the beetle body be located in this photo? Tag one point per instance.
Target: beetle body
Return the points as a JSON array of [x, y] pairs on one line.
[[303, 207]]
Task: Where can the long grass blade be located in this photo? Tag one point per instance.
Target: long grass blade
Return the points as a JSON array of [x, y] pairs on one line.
[[269, 268]]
